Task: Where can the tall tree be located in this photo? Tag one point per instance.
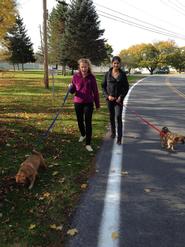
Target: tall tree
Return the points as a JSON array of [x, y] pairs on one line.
[[19, 44], [177, 59], [7, 20], [129, 58], [7, 16], [150, 56], [82, 36], [56, 27]]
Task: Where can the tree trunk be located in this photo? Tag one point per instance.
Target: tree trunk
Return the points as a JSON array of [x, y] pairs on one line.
[[63, 70]]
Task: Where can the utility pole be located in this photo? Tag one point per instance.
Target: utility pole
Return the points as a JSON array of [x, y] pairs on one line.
[[45, 18]]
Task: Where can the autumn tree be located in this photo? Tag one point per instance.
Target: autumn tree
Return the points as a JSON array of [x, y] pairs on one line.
[[165, 48], [7, 20], [7, 16], [150, 56], [177, 59], [129, 58]]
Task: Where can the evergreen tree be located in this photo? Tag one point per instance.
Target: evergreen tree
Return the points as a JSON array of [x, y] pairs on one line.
[[56, 27], [82, 34], [19, 44]]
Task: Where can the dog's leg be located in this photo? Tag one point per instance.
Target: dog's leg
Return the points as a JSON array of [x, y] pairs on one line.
[[172, 147], [32, 181], [43, 163], [31, 184]]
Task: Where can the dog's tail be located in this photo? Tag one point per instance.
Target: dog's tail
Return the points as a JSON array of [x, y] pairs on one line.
[[43, 163], [180, 139]]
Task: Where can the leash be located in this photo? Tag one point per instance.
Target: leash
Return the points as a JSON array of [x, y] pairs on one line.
[[145, 121], [54, 120]]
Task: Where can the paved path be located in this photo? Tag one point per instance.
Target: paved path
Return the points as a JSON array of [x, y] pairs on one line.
[[145, 208]]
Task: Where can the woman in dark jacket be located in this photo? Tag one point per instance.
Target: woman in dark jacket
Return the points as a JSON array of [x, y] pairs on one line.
[[115, 87]]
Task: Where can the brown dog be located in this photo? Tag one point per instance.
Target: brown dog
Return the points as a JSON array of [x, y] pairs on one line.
[[29, 169], [170, 139]]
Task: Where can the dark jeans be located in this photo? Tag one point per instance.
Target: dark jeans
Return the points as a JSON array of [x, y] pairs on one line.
[[84, 117], [115, 111]]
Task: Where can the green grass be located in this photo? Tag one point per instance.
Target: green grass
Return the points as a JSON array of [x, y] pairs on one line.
[[26, 111]]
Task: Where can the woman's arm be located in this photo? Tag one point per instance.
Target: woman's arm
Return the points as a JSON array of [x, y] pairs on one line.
[[125, 86]]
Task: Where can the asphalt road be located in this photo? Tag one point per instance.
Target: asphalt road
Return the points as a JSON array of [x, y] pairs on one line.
[[146, 207]]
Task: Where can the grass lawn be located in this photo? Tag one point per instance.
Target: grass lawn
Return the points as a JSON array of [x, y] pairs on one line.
[[40, 217]]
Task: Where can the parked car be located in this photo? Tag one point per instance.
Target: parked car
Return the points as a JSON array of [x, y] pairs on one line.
[[162, 71]]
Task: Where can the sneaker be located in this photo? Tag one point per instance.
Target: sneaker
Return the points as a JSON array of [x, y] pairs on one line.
[[119, 142], [81, 139], [112, 135], [89, 148]]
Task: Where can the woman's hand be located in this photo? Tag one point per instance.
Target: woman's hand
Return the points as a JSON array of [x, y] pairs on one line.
[[71, 88], [111, 98]]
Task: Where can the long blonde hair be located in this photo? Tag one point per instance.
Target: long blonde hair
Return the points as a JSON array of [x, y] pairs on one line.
[[86, 61]]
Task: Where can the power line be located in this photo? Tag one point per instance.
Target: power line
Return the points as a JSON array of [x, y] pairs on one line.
[[174, 7], [138, 23], [149, 14], [180, 3]]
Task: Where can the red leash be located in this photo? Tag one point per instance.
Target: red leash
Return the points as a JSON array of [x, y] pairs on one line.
[[146, 121]]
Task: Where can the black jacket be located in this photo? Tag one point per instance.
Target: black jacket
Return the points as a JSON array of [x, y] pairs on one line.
[[115, 87]]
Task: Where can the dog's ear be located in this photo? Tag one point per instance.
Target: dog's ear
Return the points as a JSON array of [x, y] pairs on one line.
[[165, 129]]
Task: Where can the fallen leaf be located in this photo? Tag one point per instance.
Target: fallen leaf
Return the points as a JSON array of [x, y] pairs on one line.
[[124, 173], [115, 235], [62, 180], [56, 164], [83, 186], [46, 194], [147, 190], [32, 226], [55, 227], [54, 173], [72, 232]]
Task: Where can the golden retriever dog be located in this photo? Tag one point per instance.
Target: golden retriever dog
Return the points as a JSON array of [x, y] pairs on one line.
[[170, 139], [29, 169]]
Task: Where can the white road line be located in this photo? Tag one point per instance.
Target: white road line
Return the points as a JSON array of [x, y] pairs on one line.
[[111, 213]]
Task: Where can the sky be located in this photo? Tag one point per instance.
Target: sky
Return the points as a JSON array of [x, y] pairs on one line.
[[126, 22]]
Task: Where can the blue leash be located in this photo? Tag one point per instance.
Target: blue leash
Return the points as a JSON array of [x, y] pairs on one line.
[[54, 120]]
